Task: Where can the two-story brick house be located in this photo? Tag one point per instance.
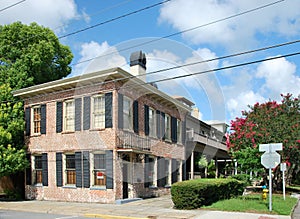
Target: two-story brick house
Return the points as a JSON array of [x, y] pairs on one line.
[[102, 136]]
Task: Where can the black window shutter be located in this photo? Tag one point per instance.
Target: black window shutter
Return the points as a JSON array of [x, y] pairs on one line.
[[45, 169], [158, 124], [86, 113], [78, 105], [146, 171], [120, 111], [136, 116], [174, 170], [109, 169], [27, 121], [108, 110], [161, 178], [28, 170], [59, 170], [59, 117], [146, 118], [163, 126], [173, 129], [183, 132], [43, 119], [78, 169], [86, 169]]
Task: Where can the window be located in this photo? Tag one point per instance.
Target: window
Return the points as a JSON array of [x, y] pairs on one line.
[[179, 130], [69, 115], [127, 112], [167, 127], [99, 170], [38, 169], [152, 123], [36, 123], [70, 169], [98, 113]]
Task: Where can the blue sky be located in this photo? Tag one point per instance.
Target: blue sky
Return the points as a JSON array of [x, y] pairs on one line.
[[220, 95]]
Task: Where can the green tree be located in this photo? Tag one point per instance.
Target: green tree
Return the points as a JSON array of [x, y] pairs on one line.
[[269, 122], [29, 55]]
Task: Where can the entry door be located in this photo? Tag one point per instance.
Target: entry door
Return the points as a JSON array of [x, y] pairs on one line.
[[125, 180]]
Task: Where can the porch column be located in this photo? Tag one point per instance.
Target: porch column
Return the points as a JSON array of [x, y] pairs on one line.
[[192, 165], [235, 167]]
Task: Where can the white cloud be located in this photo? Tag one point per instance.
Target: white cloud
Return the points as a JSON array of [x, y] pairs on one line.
[[236, 33], [49, 13], [96, 57], [280, 77], [240, 102]]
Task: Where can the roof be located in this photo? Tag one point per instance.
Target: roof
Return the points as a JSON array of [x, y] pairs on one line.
[[99, 77]]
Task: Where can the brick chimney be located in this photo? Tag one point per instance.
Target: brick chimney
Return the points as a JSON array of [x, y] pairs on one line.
[[138, 65]]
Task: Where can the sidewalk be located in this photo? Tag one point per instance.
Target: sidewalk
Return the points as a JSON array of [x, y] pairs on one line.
[[160, 208]]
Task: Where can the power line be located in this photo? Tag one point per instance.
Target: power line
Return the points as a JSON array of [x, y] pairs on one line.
[[113, 19], [10, 6], [181, 32]]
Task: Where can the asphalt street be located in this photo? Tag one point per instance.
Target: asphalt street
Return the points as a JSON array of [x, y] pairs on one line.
[[4, 214]]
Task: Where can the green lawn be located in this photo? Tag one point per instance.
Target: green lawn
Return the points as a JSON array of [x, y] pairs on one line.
[[255, 204]]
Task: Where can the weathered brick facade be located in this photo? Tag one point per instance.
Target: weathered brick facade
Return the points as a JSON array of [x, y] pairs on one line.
[[130, 151]]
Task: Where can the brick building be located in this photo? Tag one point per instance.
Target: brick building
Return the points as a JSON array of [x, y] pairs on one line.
[[103, 136]]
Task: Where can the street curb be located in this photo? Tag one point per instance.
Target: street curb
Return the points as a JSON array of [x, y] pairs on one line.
[[105, 216]]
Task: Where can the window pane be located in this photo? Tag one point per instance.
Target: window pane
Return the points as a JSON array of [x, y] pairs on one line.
[[152, 123], [127, 112], [69, 115], [99, 161], [99, 112], [37, 120], [70, 161]]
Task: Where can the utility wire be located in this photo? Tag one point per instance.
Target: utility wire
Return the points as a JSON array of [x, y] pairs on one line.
[[113, 19], [10, 6], [181, 32]]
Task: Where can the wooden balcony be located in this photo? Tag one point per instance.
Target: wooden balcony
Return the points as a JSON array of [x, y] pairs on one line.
[[130, 140]]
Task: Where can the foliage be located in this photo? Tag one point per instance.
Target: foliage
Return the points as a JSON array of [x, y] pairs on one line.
[[193, 194], [269, 122], [29, 55], [242, 177], [253, 203]]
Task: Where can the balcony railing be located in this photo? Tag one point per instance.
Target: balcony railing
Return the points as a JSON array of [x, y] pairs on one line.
[[129, 140]]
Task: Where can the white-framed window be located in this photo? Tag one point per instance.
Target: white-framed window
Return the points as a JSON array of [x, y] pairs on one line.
[[36, 119], [179, 130], [69, 115], [167, 127], [152, 122], [70, 170], [98, 112], [168, 171], [127, 113], [98, 166], [37, 169]]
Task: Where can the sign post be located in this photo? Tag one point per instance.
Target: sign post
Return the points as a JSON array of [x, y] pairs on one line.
[[283, 169], [270, 159]]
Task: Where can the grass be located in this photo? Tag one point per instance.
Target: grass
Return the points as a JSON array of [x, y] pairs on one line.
[[253, 203]]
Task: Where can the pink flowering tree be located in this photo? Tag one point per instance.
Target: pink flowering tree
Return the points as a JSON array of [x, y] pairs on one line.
[[269, 122]]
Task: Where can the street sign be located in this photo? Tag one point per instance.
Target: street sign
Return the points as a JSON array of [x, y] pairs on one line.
[[270, 147], [283, 167], [270, 160]]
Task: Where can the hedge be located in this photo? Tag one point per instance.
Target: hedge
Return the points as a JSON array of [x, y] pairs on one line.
[[193, 194]]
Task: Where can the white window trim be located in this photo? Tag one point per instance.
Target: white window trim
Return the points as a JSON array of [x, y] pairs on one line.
[[33, 172], [130, 114], [167, 127], [152, 126], [65, 115], [93, 111], [65, 170], [92, 177], [32, 120]]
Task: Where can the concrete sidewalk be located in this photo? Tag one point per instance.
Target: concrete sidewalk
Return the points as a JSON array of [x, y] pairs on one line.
[[161, 208]]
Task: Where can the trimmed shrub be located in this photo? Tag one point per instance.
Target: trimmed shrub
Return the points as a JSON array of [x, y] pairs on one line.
[[193, 194], [242, 177]]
